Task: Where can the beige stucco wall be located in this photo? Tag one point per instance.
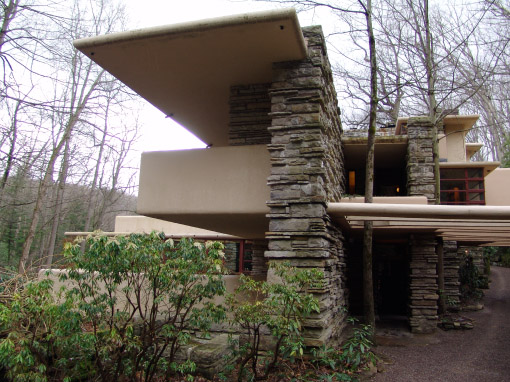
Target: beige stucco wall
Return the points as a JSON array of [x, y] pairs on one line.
[[231, 284], [455, 145], [223, 179], [497, 187], [221, 189], [443, 150]]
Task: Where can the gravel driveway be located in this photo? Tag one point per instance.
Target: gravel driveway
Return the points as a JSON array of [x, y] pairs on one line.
[[480, 354]]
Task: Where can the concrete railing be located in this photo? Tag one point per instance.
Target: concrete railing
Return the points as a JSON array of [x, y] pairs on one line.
[[222, 189], [231, 284]]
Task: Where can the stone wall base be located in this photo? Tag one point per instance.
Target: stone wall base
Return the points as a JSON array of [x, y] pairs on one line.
[[423, 301], [451, 273]]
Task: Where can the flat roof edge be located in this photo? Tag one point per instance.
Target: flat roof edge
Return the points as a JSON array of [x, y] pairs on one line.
[[434, 211], [493, 165], [382, 139], [195, 26]]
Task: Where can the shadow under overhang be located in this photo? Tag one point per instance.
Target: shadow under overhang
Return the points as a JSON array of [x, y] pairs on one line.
[[246, 226], [390, 152]]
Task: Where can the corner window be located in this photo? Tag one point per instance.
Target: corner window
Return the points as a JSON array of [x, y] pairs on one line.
[[462, 186]]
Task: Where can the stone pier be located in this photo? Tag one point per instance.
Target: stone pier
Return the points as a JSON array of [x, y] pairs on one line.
[[423, 301], [306, 173], [451, 273], [420, 160]]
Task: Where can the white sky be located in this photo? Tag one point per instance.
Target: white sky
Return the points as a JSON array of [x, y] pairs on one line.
[[160, 133]]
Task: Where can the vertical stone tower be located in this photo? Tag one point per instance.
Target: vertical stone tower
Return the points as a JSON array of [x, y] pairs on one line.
[[306, 174], [423, 299]]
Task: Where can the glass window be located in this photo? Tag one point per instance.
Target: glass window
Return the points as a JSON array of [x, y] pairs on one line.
[[462, 186], [238, 256], [475, 173]]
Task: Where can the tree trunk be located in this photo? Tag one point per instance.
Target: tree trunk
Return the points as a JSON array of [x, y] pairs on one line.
[[10, 10], [13, 137], [41, 194], [58, 205], [112, 195], [90, 206], [368, 284], [43, 186]]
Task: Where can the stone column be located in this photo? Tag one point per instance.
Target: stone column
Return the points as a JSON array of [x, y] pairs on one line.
[[421, 181], [420, 161], [423, 284], [306, 173], [451, 273]]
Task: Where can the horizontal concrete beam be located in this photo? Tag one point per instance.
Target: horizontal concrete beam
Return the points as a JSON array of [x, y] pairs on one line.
[[420, 211]]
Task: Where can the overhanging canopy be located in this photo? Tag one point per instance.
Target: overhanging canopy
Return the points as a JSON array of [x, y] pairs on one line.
[[186, 70], [477, 225]]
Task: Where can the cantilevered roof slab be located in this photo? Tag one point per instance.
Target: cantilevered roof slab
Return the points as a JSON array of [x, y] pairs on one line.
[[186, 70], [452, 123], [477, 225]]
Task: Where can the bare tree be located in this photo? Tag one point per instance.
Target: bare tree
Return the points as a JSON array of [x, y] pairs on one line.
[[78, 90], [58, 204], [45, 137], [368, 284], [486, 64]]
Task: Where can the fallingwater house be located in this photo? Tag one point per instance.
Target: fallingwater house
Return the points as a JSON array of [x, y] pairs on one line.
[[280, 176]]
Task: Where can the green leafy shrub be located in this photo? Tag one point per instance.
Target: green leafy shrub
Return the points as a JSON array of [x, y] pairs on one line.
[[131, 302], [352, 357], [141, 296], [277, 307], [44, 339], [505, 259], [355, 352], [470, 280], [498, 255]]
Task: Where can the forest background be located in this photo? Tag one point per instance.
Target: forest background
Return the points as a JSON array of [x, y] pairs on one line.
[[69, 131]]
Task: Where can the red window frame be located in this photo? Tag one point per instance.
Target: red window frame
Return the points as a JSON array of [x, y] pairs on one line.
[[245, 264], [242, 263], [464, 194]]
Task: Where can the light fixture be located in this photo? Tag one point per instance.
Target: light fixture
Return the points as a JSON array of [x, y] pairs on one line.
[[352, 182]]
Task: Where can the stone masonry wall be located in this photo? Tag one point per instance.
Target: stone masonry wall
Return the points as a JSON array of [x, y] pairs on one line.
[[451, 272], [230, 256], [249, 115], [423, 286], [306, 173], [424, 296], [420, 161], [331, 136], [254, 251], [257, 250]]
